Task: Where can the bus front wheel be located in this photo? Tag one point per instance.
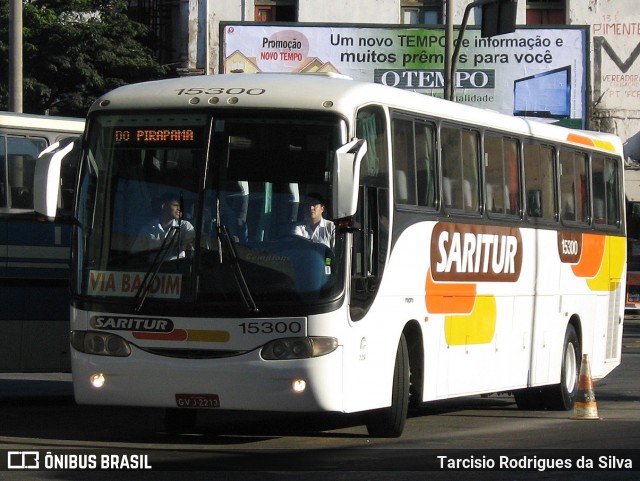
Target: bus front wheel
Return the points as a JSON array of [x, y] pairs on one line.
[[389, 422]]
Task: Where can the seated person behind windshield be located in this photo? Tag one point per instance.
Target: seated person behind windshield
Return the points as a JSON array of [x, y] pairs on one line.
[[153, 233], [316, 227]]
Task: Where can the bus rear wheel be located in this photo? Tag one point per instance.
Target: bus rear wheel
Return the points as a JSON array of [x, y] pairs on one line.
[[557, 397], [560, 397], [529, 399], [389, 422]]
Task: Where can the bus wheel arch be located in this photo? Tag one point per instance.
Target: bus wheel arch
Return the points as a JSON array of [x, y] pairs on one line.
[[415, 346], [561, 396]]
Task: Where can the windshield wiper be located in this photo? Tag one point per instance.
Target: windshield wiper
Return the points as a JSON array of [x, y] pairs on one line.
[[158, 260], [225, 242]]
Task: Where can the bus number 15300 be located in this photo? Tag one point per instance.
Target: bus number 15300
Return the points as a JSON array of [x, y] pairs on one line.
[[220, 91], [268, 327]]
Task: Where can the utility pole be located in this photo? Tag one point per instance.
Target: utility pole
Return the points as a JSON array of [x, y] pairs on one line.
[[498, 18], [448, 50], [15, 56]]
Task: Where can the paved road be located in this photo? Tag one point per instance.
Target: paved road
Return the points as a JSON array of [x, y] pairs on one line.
[[37, 412]]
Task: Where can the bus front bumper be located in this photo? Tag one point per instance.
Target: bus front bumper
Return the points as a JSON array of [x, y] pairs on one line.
[[245, 382]]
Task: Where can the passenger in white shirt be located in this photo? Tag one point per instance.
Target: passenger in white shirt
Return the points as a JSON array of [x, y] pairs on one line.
[[316, 227]]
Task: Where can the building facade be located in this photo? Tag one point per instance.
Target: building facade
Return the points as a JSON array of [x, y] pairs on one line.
[[191, 39]]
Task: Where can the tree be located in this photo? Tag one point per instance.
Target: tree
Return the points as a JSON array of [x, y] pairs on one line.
[[74, 51]]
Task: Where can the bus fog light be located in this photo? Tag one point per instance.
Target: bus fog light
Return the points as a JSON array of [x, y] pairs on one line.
[[299, 386], [97, 380]]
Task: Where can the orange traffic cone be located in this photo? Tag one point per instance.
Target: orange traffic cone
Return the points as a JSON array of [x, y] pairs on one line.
[[585, 406]]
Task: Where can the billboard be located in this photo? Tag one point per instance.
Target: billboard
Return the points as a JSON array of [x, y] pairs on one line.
[[537, 73]]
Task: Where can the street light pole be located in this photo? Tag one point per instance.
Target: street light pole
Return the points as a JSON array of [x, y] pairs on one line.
[[448, 50], [500, 20], [15, 56]]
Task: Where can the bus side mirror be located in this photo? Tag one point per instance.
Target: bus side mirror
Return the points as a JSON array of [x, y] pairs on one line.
[[47, 195], [346, 177]]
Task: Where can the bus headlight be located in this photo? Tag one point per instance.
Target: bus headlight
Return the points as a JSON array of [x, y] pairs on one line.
[[100, 343], [298, 348]]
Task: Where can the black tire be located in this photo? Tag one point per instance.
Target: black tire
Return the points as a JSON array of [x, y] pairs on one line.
[[561, 397], [416, 374], [389, 422], [530, 399], [178, 421]]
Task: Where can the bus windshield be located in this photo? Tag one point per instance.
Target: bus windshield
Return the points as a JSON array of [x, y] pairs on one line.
[[201, 209]]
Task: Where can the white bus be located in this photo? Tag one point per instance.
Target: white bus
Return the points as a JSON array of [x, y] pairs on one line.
[[473, 252], [34, 256]]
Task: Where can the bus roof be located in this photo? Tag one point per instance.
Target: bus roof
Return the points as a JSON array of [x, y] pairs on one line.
[[322, 92], [41, 122]]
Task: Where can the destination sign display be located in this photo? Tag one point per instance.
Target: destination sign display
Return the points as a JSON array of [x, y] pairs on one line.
[[155, 136]]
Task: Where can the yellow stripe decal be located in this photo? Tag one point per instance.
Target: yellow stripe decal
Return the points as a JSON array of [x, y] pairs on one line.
[[198, 335], [477, 328]]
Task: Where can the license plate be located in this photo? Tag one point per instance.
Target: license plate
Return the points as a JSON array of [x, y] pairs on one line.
[[198, 401]]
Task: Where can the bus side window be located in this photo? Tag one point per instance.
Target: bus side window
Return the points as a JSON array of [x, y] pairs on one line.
[[494, 174], [404, 162], [598, 194], [604, 191], [451, 168], [573, 186], [612, 188], [425, 145], [414, 161], [22, 154], [501, 173], [539, 180], [3, 181], [459, 152], [470, 157]]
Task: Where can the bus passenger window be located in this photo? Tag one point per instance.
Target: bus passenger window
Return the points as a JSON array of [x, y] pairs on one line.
[[3, 188], [539, 181], [501, 173], [414, 160], [404, 162], [370, 125], [612, 188], [512, 177], [494, 175], [459, 150], [605, 192], [425, 164], [573, 186], [21, 163]]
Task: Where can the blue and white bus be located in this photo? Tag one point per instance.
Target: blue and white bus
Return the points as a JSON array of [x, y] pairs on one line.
[[34, 256]]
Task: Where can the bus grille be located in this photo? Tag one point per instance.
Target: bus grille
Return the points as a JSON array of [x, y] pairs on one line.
[[193, 353]]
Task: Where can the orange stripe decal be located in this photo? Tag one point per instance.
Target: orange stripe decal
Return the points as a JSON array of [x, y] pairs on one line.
[[580, 139], [588, 141], [449, 297], [592, 254]]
